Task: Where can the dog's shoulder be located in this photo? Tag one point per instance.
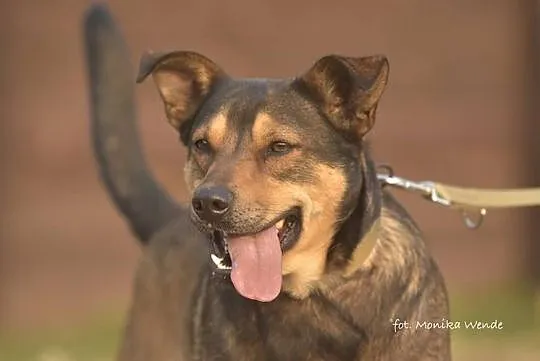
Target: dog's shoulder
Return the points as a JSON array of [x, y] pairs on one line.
[[168, 273]]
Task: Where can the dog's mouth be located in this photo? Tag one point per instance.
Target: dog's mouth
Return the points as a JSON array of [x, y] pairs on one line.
[[288, 231], [254, 259]]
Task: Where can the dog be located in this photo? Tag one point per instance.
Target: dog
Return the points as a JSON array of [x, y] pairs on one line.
[[290, 249]]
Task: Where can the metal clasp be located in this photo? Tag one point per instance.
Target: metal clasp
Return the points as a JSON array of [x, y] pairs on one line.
[[425, 188], [428, 190]]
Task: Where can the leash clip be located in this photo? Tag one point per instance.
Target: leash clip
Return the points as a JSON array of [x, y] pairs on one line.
[[470, 222], [429, 191], [433, 195], [426, 188]]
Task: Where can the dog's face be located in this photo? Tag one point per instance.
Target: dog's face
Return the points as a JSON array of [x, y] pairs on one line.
[[273, 165]]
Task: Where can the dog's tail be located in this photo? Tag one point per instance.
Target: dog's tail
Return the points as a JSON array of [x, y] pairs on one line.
[[116, 144]]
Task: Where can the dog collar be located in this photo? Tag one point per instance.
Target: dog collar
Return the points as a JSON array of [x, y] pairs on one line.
[[364, 249]]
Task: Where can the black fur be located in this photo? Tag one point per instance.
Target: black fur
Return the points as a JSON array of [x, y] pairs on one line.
[[145, 204]]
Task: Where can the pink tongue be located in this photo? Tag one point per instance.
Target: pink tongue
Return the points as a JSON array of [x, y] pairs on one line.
[[256, 265]]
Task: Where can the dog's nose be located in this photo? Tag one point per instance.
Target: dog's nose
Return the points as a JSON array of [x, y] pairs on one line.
[[211, 203]]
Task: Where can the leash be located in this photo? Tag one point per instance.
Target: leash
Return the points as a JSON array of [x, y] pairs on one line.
[[466, 200]]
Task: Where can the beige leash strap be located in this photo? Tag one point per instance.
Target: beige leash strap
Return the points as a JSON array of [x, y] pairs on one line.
[[467, 200], [489, 198]]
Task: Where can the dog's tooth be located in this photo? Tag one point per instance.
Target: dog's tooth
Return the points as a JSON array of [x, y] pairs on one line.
[[218, 261], [280, 224]]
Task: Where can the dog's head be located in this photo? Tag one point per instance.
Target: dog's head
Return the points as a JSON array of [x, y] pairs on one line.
[[272, 164]]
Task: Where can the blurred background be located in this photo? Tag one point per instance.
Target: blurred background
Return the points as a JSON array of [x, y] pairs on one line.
[[462, 107]]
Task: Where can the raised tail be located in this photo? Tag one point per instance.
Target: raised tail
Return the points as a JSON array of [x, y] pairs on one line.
[[116, 144]]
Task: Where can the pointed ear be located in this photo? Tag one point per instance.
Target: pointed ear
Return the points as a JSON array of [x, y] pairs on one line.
[[183, 79], [347, 90]]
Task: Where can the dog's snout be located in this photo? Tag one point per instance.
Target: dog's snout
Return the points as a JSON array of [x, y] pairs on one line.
[[212, 203]]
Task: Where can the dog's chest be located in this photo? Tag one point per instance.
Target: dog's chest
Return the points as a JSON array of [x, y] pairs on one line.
[[229, 327]]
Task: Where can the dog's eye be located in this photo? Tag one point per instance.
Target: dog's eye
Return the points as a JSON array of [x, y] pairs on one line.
[[202, 145], [279, 148]]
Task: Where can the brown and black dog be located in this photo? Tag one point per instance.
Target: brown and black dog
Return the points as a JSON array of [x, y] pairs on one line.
[[290, 249]]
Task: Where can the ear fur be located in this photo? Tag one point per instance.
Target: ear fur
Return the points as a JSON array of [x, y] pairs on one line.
[[347, 89], [184, 79]]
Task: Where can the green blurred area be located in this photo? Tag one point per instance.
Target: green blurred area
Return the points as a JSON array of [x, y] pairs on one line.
[[518, 340], [94, 340]]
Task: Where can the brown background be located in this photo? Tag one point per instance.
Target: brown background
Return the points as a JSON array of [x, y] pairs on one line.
[[459, 109]]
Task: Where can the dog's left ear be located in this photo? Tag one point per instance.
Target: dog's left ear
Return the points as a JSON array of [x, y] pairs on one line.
[[347, 89]]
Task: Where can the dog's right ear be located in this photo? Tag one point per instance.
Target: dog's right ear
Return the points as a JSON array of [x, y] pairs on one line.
[[347, 89], [183, 79]]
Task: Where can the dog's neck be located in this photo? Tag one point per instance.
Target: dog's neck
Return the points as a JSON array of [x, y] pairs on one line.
[[362, 218]]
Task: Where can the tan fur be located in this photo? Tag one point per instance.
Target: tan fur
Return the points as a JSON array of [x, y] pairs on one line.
[[175, 93], [219, 137], [191, 182], [305, 263], [265, 128], [216, 131]]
